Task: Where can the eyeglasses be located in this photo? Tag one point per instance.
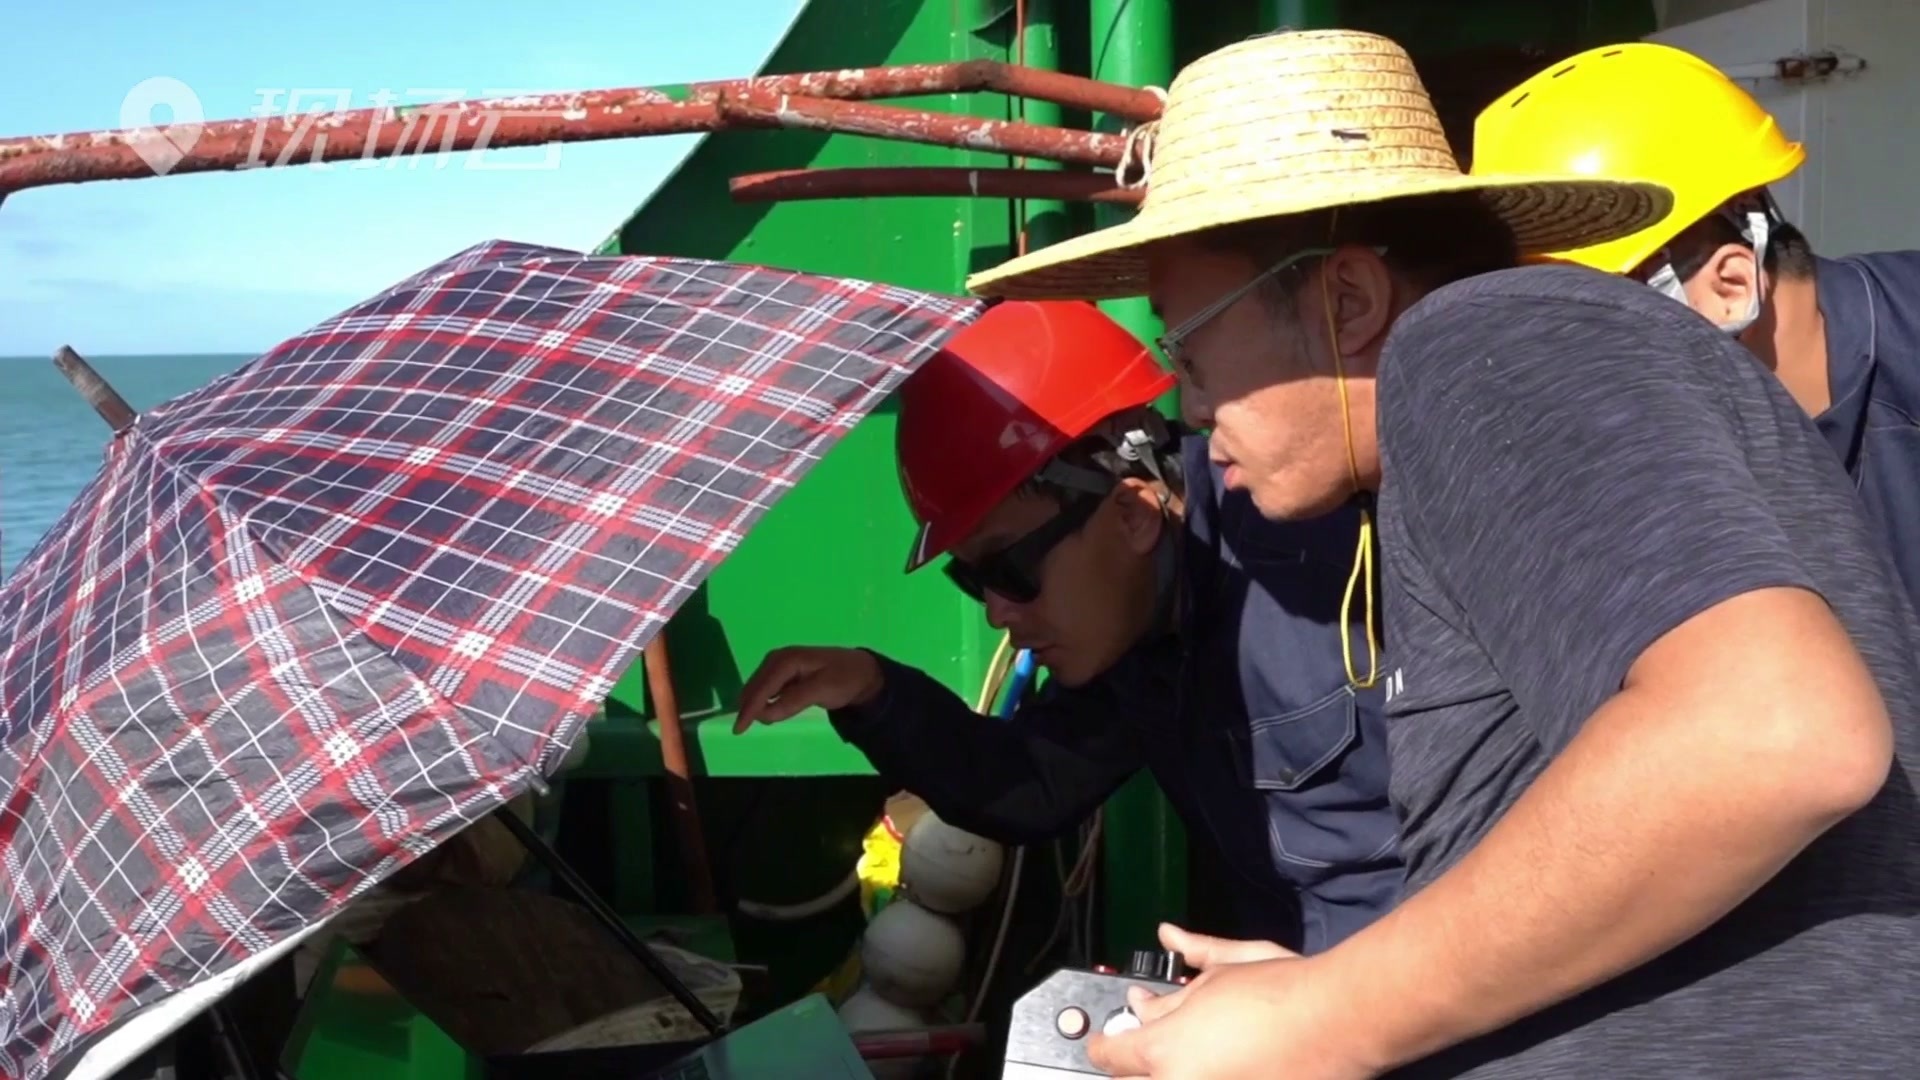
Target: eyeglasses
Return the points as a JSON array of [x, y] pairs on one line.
[[1171, 341], [1013, 571]]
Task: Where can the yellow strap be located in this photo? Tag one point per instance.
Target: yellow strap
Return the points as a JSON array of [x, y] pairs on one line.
[[1362, 566], [1363, 559]]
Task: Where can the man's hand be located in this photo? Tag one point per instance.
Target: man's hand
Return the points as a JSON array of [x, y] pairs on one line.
[[1204, 953], [1253, 1011], [802, 677]]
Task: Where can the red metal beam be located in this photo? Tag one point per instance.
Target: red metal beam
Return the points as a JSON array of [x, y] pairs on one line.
[[909, 181], [1068, 91], [910, 80], [233, 145], [1010, 137], [530, 120]]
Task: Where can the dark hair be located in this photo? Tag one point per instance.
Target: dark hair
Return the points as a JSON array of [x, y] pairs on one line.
[[1097, 452], [1789, 255], [1430, 240]]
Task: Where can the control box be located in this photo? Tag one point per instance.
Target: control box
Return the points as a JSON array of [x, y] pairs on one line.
[[1047, 1039]]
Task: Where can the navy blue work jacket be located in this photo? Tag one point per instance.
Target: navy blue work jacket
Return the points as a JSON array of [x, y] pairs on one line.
[[1243, 714]]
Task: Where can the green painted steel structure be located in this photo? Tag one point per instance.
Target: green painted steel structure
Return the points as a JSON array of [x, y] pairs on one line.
[[825, 564]]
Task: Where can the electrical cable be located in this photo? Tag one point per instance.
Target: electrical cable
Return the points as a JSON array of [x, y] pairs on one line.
[[1022, 676]]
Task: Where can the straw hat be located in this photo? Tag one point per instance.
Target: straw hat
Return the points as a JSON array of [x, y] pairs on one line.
[[1290, 123]]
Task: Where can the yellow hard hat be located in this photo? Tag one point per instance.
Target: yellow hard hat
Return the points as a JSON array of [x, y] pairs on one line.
[[1638, 111]]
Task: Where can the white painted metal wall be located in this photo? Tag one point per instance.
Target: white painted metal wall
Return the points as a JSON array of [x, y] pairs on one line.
[[1860, 188]]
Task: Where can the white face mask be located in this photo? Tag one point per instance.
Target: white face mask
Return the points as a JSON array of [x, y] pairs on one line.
[[1755, 232]]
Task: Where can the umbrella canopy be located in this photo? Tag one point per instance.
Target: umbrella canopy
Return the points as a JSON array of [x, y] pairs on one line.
[[319, 615]]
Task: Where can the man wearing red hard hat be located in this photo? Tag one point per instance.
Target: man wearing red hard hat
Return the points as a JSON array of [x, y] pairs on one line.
[[1182, 631]]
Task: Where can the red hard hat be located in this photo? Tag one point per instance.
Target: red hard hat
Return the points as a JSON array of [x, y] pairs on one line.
[[1004, 396]]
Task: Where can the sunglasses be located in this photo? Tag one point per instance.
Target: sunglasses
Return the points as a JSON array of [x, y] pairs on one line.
[[1013, 572]]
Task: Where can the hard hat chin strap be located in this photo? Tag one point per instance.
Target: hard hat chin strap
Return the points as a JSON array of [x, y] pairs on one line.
[[1134, 447], [1138, 448], [1073, 478], [1166, 575]]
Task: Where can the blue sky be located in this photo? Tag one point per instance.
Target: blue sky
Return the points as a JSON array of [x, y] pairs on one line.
[[235, 262]]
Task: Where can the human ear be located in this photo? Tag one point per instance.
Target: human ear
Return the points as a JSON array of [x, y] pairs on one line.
[[1356, 286], [1729, 282], [1138, 503]]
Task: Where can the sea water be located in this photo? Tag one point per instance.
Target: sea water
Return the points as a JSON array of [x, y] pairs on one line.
[[51, 440]]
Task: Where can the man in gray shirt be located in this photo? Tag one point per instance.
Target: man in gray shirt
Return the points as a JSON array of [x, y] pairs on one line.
[[1654, 716], [1587, 484]]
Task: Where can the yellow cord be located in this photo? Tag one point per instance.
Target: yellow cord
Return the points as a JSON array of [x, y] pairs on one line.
[[1362, 565], [1363, 558], [997, 669]]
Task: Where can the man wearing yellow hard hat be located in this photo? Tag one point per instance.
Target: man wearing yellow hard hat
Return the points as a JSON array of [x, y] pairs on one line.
[[1653, 710], [1842, 334]]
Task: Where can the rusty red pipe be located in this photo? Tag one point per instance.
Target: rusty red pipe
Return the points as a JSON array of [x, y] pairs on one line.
[[948, 182], [683, 807], [900, 80], [1067, 91], [231, 145], [530, 120], [963, 77], [1010, 137]]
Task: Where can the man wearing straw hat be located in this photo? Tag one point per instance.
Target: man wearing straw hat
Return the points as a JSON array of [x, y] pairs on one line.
[[1653, 712]]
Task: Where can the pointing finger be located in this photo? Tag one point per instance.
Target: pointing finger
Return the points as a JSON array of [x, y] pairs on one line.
[[792, 699], [764, 685]]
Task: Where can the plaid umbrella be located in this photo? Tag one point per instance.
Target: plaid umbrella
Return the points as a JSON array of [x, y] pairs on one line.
[[317, 616]]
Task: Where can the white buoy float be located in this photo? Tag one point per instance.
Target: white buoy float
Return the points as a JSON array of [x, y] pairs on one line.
[[865, 1010], [912, 956], [947, 869]]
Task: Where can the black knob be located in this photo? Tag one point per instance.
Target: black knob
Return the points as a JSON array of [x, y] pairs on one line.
[[1155, 964]]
